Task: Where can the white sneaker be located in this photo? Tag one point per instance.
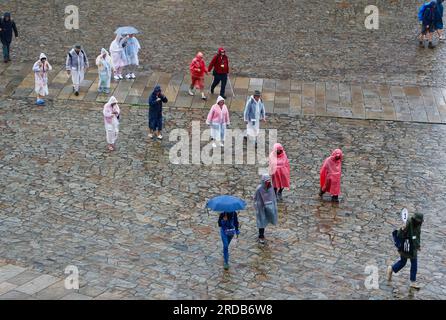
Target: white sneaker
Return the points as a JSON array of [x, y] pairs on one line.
[[414, 285], [150, 135], [120, 77], [222, 144], [160, 137], [214, 145], [116, 78], [441, 38], [389, 273], [128, 76], [191, 93], [133, 76]]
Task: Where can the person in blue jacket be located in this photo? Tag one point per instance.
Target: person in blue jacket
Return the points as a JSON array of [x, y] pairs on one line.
[[156, 100], [7, 26], [229, 227], [439, 20], [426, 15]]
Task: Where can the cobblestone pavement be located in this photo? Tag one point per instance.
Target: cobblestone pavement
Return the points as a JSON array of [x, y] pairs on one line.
[[326, 41], [134, 224], [288, 97]]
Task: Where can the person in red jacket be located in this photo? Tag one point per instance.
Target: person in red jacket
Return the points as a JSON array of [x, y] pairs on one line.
[[197, 71], [330, 175], [220, 64]]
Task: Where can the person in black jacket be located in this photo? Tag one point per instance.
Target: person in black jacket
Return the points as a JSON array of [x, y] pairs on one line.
[[156, 100], [229, 227], [7, 26]]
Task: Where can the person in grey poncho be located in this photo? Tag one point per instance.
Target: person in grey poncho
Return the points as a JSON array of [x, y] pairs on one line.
[[265, 205]]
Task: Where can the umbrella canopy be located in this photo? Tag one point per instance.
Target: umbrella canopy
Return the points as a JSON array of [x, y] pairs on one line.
[[226, 203], [126, 30]]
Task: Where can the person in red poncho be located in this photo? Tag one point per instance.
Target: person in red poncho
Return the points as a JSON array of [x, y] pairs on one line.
[[330, 178], [197, 71], [279, 169]]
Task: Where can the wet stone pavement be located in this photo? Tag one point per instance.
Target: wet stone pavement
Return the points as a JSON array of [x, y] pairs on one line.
[[133, 223], [281, 39]]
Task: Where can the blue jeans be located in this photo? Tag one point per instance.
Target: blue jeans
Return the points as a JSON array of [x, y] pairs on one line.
[[6, 50], [226, 241], [413, 267]]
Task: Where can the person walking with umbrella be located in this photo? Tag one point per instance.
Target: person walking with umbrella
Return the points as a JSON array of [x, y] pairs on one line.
[[227, 221], [41, 68], [220, 64], [279, 169], [330, 175], [265, 205]]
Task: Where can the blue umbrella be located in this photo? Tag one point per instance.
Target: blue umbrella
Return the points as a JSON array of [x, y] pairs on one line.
[[226, 203], [126, 30]]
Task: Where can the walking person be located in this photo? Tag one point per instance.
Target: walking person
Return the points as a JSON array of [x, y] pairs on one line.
[[105, 68], [229, 227], [132, 48], [77, 65], [156, 100], [7, 27], [265, 205], [197, 71], [426, 15], [118, 55], [218, 119], [41, 68], [254, 112], [220, 64], [439, 20], [111, 121], [330, 175], [279, 169], [412, 232]]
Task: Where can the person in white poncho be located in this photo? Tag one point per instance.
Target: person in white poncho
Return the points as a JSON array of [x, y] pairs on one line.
[[111, 121], [41, 68]]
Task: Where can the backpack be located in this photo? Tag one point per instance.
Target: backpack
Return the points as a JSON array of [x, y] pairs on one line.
[[428, 15], [231, 231], [71, 57], [403, 242]]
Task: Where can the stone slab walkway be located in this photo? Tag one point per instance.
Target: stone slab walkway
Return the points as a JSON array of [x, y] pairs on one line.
[[289, 97]]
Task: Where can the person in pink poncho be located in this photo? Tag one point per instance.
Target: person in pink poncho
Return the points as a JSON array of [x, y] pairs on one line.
[[279, 169], [218, 119], [111, 121], [330, 177]]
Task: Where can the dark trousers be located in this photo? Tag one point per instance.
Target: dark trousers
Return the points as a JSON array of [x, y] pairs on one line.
[[261, 233], [413, 267], [280, 191], [6, 46], [217, 78]]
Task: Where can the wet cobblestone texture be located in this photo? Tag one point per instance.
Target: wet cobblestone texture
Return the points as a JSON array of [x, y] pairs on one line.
[[134, 224], [324, 41]]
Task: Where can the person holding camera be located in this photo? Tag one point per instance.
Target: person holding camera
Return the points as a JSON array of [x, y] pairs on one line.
[[156, 100], [41, 68]]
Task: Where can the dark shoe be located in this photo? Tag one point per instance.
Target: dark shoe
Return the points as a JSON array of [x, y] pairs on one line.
[[421, 44], [212, 91], [321, 193], [5, 61], [431, 46], [223, 96], [334, 199], [279, 196], [226, 266], [76, 93]]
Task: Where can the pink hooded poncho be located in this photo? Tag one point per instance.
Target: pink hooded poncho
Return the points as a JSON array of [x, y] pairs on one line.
[[279, 167], [330, 178]]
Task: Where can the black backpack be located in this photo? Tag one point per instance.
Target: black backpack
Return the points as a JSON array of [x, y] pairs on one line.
[[429, 14]]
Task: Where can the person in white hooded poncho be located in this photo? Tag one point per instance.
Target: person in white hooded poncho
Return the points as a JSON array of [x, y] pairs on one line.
[[131, 50], [105, 67], [111, 121], [118, 55], [41, 68]]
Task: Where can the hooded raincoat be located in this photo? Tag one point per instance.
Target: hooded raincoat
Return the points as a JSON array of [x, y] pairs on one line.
[[279, 167], [218, 119], [111, 120], [131, 51], [117, 52], [77, 65], [330, 174], [197, 71], [105, 67], [41, 75], [254, 112], [265, 204]]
